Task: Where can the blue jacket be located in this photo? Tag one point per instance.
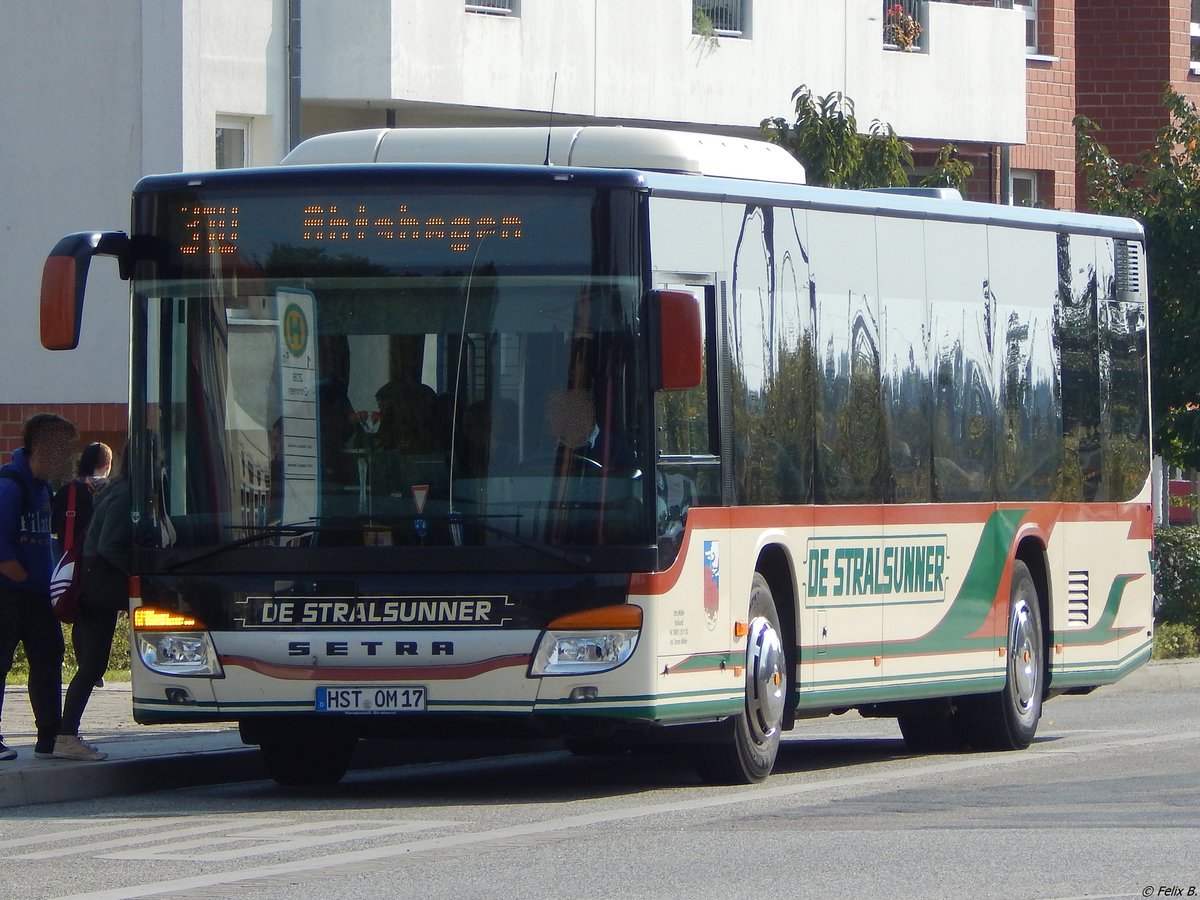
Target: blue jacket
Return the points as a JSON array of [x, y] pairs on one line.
[[25, 529]]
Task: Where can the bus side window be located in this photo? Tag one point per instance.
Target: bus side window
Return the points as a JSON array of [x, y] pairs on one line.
[[682, 421], [687, 460]]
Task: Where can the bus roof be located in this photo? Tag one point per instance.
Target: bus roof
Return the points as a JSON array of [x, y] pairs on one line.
[[667, 158], [592, 146]]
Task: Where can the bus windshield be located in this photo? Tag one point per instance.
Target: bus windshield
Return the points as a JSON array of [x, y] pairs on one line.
[[323, 380]]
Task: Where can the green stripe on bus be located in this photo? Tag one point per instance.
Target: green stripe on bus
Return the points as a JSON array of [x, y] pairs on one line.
[[969, 611], [1092, 674], [1105, 630]]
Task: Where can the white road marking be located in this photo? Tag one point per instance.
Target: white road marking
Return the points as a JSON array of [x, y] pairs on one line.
[[155, 837], [89, 826], [730, 797], [280, 840]]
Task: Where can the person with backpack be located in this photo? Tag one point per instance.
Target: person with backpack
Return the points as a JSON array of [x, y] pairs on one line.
[[107, 552], [26, 561], [74, 502]]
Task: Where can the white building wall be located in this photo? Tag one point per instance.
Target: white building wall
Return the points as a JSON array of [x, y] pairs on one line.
[[72, 146], [638, 61], [98, 95], [101, 93]]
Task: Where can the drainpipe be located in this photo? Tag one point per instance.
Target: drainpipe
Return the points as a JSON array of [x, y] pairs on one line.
[[293, 73], [1005, 172]]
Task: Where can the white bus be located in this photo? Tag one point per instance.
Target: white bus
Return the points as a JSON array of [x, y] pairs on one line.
[[626, 437]]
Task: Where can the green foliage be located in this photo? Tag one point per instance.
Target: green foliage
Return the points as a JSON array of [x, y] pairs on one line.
[[118, 661], [948, 170], [1177, 574], [1177, 583], [703, 29], [826, 139], [1162, 190], [1173, 640]]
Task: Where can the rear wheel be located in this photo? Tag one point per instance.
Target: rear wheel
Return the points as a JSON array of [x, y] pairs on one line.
[[746, 746], [1008, 719], [292, 761]]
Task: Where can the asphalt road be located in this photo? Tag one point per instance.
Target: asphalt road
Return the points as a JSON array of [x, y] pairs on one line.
[[1105, 804]]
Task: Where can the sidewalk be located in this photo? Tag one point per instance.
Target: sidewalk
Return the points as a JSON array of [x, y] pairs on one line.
[[145, 758], [140, 757]]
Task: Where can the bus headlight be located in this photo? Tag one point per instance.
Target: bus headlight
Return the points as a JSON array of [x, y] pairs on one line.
[[174, 644], [593, 641]]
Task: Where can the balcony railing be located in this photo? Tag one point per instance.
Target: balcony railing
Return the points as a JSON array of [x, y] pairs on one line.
[[727, 17], [495, 7], [903, 24]]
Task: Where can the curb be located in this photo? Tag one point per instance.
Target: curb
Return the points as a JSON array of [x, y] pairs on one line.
[[61, 782], [57, 781]]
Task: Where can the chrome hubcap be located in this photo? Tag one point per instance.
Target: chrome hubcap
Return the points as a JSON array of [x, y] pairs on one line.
[[1026, 665], [766, 679]]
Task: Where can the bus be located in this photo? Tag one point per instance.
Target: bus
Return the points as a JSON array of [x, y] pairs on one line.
[[621, 437]]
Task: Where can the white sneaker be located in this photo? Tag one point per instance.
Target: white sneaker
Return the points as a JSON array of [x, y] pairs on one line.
[[70, 746]]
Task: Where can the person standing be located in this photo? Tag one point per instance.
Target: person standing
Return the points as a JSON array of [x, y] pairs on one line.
[[74, 502], [94, 465], [26, 561], [107, 554]]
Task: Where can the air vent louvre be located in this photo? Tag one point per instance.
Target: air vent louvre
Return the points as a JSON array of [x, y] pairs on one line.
[[1128, 267], [1078, 597]]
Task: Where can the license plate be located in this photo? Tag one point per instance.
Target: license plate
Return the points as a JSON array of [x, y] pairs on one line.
[[381, 699]]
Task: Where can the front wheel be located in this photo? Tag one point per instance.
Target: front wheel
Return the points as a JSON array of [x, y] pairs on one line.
[[745, 746], [1008, 719]]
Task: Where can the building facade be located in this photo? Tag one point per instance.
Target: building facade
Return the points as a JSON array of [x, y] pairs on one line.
[[1128, 56], [157, 86]]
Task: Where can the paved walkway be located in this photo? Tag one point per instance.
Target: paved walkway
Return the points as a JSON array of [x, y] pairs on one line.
[[140, 757], [154, 757]]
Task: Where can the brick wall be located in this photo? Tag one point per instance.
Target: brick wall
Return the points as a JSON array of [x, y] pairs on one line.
[[107, 422], [1050, 92], [1128, 53]]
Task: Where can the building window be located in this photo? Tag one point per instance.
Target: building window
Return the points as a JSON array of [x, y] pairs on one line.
[[494, 7], [720, 18], [1031, 23], [1024, 188], [232, 144], [1196, 36], [902, 24]]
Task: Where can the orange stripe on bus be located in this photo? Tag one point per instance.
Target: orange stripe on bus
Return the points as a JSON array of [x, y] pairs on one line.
[[1039, 522], [369, 673]]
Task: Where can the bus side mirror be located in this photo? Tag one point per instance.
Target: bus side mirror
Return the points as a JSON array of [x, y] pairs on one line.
[[680, 340], [64, 282]]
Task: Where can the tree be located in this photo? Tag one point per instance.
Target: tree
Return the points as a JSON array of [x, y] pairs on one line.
[[948, 170], [826, 139], [1162, 189]]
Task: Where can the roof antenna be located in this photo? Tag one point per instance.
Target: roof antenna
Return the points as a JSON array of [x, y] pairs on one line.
[[553, 91]]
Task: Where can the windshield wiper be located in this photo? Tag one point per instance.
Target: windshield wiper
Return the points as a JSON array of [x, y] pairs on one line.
[[579, 560], [308, 526]]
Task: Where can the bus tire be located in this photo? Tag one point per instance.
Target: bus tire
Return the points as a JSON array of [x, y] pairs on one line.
[[746, 745], [1008, 719], [308, 762]]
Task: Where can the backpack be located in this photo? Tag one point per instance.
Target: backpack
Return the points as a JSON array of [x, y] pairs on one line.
[[66, 581]]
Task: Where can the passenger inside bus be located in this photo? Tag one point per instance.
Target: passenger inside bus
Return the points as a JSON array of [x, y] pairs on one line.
[[408, 409]]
